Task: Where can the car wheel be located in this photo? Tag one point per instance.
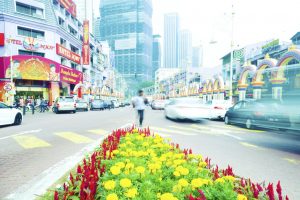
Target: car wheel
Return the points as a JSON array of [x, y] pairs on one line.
[[86, 109], [18, 119], [249, 124], [226, 120], [74, 111]]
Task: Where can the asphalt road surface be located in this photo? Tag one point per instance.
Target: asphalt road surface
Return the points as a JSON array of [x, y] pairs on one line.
[[46, 145]]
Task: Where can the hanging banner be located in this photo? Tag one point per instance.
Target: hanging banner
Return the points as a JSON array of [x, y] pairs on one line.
[[86, 43], [70, 6], [62, 51]]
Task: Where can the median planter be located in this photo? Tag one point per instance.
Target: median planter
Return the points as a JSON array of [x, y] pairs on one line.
[[134, 164]]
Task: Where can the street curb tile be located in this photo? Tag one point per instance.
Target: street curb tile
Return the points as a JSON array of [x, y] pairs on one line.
[[74, 137], [172, 131], [30, 142], [98, 131]]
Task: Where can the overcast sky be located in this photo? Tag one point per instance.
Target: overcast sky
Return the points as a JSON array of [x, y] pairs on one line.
[[255, 20]]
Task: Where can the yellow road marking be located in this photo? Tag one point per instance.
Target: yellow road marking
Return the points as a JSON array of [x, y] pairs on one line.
[[74, 137], [172, 131], [98, 131], [250, 145], [293, 161], [30, 142], [236, 128]]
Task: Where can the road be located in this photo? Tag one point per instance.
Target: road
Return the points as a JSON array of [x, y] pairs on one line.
[[48, 144]]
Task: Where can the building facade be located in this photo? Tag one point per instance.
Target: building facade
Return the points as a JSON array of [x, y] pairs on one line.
[[127, 26], [171, 37], [42, 51], [96, 28], [156, 54], [197, 58], [185, 49]]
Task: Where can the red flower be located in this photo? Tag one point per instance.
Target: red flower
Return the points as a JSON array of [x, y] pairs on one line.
[[56, 197], [270, 192], [279, 191]]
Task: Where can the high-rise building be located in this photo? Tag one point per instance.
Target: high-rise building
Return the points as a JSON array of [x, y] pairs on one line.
[[127, 26], [197, 56], [171, 34], [156, 54], [96, 28], [85, 11], [185, 49]]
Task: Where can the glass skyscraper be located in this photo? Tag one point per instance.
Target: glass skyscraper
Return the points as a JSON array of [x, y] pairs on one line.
[[171, 38], [127, 26]]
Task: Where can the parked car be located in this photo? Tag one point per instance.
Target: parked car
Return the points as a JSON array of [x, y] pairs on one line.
[[158, 104], [108, 104], [97, 104], [186, 108], [82, 104], [10, 115], [218, 108], [64, 104], [115, 104], [127, 103], [251, 113]]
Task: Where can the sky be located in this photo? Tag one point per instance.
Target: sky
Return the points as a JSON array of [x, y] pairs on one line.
[[254, 21]]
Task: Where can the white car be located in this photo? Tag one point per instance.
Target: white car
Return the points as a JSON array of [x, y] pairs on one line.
[[9, 115], [64, 104], [158, 104], [218, 108], [186, 108]]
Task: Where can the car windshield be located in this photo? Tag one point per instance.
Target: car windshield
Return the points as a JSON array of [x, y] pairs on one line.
[[2, 105]]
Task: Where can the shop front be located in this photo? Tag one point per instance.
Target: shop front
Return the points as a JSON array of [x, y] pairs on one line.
[[36, 77]]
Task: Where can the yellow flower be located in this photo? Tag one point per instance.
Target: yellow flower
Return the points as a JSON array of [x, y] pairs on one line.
[[129, 166], [140, 170], [184, 171], [120, 165], [202, 164], [183, 182], [241, 197], [115, 170], [109, 185], [176, 188], [167, 196], [220, 180], [115, 152], [125, 183], [112, 196], [229, 178], [131, 193], [198, 182], [176, 173]]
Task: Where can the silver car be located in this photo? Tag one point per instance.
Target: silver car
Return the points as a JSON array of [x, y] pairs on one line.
[[64, 104], [82, 104], [186, 109]]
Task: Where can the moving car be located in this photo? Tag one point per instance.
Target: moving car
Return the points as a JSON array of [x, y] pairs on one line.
[[97, 104], [64, 104], [108, 104], [158, 104], [218, 108], [10, 115], [186, 108], [115, 104], [251, 113], [82, 104]]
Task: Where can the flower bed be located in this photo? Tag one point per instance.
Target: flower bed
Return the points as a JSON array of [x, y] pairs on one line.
[[133, 164]]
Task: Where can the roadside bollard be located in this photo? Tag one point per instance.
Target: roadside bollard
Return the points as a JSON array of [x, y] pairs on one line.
[[24, 110]]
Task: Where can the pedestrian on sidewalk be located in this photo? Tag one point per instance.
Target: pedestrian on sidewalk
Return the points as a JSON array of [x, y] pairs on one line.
[[139, 104]]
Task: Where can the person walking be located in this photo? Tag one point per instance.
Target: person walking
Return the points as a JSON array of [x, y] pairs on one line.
[[42, 105], [139, 104]]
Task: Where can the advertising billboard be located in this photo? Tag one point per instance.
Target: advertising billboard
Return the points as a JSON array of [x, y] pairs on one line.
[[86, 43], [62, 51]]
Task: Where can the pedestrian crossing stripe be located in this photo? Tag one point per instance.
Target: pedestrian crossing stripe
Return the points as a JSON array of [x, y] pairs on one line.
[[172, 131], [30, 142], [250, 145], [195, 129], [98, 131], [162, 134], [74, 137], [237, 129]]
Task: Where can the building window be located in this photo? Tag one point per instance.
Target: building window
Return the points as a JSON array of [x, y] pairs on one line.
[[74, 49], [73, 65], [30, 32], [31, 53], [29, 10], [72, 31], [61, 22], [63, 42], [63, 61]]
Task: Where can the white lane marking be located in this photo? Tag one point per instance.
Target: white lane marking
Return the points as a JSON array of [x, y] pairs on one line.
[[21, 133], [39, 185], [233, 136]]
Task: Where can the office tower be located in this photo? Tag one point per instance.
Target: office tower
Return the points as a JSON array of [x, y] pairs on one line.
[[197, 56], [185, 49], [156, 54], [171, 36]]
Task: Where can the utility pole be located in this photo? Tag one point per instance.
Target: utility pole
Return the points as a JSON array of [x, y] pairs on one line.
[[231, 55]]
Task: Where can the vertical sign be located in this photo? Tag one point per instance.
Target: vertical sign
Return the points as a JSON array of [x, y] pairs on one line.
[[86, 43], [2, 39]]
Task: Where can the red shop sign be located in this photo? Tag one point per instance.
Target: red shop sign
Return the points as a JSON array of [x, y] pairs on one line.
[[62, 51]]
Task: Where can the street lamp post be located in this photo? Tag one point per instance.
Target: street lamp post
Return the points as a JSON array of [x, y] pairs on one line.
[[231, 56]]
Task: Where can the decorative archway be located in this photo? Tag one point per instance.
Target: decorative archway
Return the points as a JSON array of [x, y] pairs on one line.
[[219, 88], [242, 83], [278, 77], [257, 81]]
